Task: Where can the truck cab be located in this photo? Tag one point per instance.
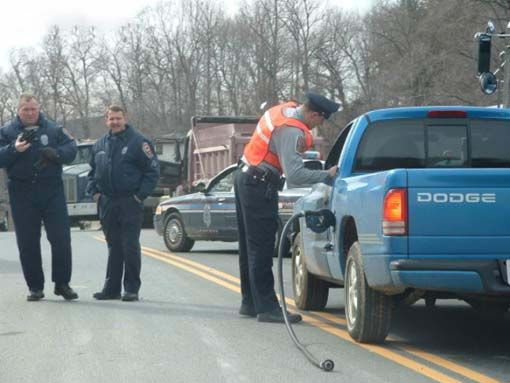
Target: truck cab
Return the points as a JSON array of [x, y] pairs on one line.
[[80, 206]]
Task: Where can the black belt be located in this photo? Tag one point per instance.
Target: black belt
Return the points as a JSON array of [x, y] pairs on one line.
[[262, 175]]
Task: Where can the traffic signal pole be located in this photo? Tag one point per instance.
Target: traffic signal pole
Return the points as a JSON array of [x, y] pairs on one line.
[[488, 81], [506, 78]]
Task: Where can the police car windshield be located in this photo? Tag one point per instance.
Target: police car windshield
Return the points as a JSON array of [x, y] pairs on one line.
[[83, 155]]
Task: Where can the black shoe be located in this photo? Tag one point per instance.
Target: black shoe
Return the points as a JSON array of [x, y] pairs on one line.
[[248, 311], [35, 295], [130, 297], [276, 316], [66, 292], [104, 295]]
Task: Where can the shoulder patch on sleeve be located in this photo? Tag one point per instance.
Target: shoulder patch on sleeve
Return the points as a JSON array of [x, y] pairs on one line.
[[147, 150], [300, 145]]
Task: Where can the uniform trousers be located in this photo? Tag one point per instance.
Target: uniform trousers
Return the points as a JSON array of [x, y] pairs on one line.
[[121, 219], [257, 220], [33, 202]]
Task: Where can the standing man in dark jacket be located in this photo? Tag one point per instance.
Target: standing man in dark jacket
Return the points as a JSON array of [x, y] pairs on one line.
[[124, 172], [33, 149]]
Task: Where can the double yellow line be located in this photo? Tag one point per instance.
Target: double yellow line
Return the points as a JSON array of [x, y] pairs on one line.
[[330, 323]]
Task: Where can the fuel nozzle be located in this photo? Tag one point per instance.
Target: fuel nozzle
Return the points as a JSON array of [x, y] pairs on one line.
[[319, 221]]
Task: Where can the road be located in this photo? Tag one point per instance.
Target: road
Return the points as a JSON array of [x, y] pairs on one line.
[[186, 328]]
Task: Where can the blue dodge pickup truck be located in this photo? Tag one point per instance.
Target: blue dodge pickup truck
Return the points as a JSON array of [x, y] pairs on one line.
[[422, 210]]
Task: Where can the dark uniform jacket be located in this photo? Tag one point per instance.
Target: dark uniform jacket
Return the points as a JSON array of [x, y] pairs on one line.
[[26, 166], [123, 165]]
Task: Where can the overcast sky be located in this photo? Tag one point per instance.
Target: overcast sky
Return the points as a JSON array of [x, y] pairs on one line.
[[25, 22]]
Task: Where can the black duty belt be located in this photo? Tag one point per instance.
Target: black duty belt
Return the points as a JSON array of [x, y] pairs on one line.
[[262, 175]]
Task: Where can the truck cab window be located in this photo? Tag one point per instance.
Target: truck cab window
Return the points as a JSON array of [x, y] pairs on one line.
[[391, 145], [447, 146], [83, 155], [490, 143], [417, 144], [336, 150]]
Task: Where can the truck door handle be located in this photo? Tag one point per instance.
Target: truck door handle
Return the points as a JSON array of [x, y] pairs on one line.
[[221, 199]]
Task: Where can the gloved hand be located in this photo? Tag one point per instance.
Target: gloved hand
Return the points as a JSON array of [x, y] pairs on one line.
[[49, 154], [46, 155]]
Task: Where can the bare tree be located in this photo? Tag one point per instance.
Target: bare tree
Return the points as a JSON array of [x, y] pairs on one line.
[[52, 70], [80, 74], [303, 19]]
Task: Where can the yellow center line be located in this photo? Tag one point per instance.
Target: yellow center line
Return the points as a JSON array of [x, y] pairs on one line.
[[199, 266], [409, 363], [464, 371], [212, 275], [175, 261], [201, 274]]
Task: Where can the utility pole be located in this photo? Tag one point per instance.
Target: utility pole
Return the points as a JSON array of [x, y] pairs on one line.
[[506, 78]]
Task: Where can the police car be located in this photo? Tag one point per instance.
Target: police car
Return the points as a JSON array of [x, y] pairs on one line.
[[210, 215]]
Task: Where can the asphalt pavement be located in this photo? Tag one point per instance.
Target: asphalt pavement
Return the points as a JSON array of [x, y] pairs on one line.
[[186, 328]]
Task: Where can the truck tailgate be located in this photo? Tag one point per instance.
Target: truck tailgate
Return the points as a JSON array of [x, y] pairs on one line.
[[463, 212]]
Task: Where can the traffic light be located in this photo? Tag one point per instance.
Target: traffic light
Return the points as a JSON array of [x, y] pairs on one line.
[[484, 52]]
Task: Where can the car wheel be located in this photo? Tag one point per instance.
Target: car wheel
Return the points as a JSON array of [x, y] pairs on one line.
[[368, 312], [175, 236], [310, 292]]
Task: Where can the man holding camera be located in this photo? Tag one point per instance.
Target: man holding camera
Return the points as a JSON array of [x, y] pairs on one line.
[[32, 150]]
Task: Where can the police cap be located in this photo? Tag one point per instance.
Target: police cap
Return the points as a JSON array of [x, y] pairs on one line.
[[321, 104]]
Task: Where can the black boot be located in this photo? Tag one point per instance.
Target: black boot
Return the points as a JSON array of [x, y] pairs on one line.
[[35, 295], [66, 292], [130, 297], [248, 311], [105, 295], [276, 316]]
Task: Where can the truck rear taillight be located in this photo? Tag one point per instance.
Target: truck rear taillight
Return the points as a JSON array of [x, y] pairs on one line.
[[395, 212], [447, 114]]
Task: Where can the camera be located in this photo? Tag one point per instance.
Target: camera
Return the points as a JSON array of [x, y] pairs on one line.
[[29, 135]]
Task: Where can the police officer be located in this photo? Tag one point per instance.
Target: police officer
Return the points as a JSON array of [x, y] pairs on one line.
[[33, 149], [124, 171], [281, 136]]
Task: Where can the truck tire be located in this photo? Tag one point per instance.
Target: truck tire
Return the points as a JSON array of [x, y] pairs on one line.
[[368, 312], [175, 236], [310, 292]]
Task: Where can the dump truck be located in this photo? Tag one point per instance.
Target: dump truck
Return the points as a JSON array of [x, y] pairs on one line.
[[213, 143]]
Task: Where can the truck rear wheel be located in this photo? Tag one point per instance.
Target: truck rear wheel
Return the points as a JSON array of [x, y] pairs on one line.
[[368, 312], [310, 292], [175, 236]]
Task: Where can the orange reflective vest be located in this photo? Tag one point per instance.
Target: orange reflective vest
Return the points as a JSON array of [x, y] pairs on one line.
[[257, 150]]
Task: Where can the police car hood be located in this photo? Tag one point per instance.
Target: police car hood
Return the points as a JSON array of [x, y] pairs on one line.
[[77, 169], [295, 192]]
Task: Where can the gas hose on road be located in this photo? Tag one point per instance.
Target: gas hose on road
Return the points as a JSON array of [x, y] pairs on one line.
[[318, 221]]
